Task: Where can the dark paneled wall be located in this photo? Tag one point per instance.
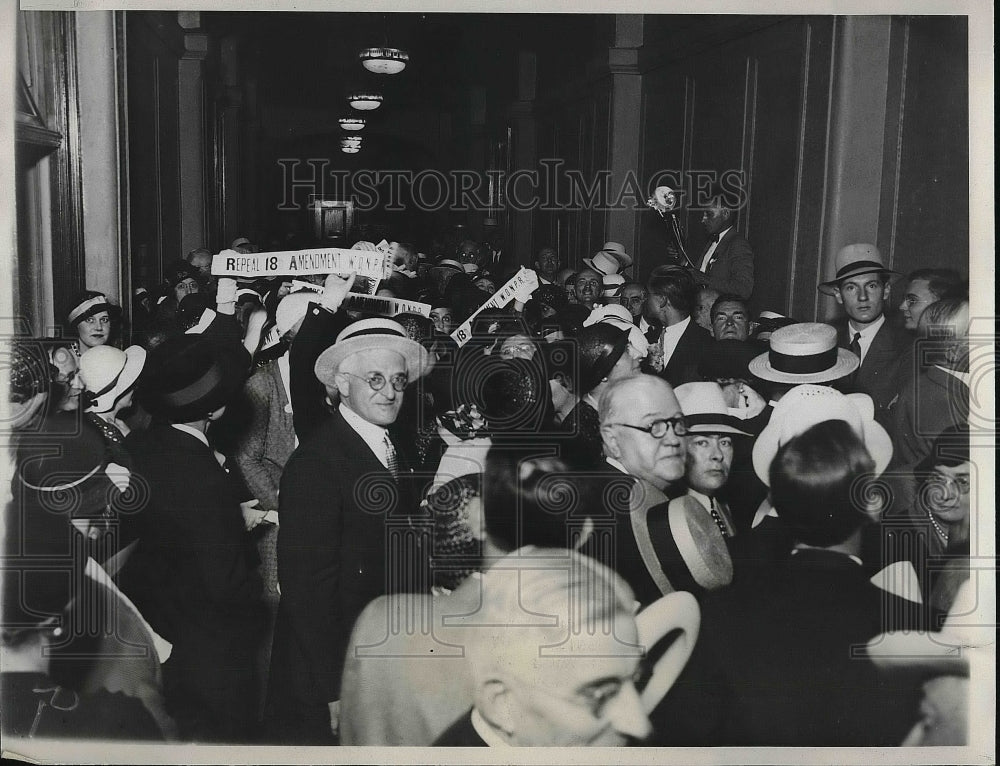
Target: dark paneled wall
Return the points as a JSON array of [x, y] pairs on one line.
[[154, 48]]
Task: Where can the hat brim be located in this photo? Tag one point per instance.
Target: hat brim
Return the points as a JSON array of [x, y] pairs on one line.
[[675, 613], [624, 259], [416, 356], [827, 288], [699, 545], [875, 438], [847, 362], [931, 654], [135, 360], [716, 428]]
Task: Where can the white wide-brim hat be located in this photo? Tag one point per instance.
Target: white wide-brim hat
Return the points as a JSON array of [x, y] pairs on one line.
[[371, 334], [945, 652], [806, 406], [855, 260], [805, 352], [705, 410], [603, 263], [108, 373], [677, 617]]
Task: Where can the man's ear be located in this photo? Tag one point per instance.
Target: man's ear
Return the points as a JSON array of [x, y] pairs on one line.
[[496, 705], [886, 290], [343, 384], [837, 295], [610, 442]]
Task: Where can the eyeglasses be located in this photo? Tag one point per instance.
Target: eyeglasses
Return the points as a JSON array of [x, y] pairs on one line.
[[961, 483], [377, 380], [658, 428], [597, 697]]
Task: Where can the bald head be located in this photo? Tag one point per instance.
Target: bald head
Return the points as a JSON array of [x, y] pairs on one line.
[[626, 394]]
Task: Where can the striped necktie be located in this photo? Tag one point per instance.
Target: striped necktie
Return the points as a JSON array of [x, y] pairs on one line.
[[391, 462]]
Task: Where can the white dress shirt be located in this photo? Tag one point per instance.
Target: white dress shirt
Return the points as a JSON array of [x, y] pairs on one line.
[[965, 377], [671, 336], [373, 435], [867, 335], [711, 250]]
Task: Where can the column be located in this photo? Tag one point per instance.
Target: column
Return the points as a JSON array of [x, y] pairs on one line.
[[191, 129]]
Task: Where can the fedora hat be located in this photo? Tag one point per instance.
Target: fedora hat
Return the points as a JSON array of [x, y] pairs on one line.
[[806, 406], [603, 263], [108, 373], [612, 285], [449, 264], [366, 335], [617, 251], [853, 260], [705, 410], [805, 352], [189, 376], [292, 309], [618, 316]]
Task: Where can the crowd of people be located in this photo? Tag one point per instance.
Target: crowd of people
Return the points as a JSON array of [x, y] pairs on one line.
[[613, 512]]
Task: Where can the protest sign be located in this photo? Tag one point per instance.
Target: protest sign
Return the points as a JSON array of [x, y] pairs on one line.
[[385, 307], [521, 285], [324, 260]]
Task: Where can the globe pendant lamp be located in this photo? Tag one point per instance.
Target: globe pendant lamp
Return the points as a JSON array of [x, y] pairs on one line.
[[352, 123], [350, 145], [384, 60], [365, 100]]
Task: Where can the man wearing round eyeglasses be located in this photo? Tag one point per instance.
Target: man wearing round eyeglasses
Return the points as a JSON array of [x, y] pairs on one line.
[[642, 430], [340, 492], [567, 681]]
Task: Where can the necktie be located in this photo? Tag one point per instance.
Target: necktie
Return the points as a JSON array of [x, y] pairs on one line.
[[390, 458], [855, 347], [720, 522]]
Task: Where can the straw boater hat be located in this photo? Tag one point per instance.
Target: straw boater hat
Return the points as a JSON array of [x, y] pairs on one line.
[[767, 322], [806, 406], [854, 260], [368, 334], [705, 410], [612, 285], [108, 373], [804, 353], [676, 617], [694, 555]]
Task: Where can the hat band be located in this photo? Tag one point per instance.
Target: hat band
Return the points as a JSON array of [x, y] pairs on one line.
[[89, 307], [375, 331], [711, 419], [863, 265], [802, 365], [197, 390]]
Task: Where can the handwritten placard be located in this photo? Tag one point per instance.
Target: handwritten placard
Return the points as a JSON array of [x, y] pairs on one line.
[[522, 284], [325, 260]]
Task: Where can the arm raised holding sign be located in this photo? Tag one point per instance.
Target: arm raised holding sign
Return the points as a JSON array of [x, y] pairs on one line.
[[322, 323]]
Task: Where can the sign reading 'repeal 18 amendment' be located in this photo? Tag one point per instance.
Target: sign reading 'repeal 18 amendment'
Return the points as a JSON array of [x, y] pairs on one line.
[[325, 260]]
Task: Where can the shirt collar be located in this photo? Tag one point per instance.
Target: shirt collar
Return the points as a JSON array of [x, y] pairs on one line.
[[803, 547], [484, 730], [616, 464], [675, 331], [370, 432], [199, 435], [705, 500], [723, 233], [869, 330]]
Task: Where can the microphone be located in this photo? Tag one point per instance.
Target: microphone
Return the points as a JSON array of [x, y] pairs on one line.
[[664, 202]]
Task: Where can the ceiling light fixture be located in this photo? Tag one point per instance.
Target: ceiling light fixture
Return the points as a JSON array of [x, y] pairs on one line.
[[344, 142], [352, 123], [365, 100], [350, 149], [384, 60]]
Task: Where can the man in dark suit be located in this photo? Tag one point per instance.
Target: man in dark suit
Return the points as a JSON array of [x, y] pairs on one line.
[[193, 575], [727, 262], [791, 675], [344, 506], [676, 353], [861, 286]]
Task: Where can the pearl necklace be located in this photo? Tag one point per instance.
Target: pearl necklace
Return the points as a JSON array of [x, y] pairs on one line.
[[942, 532]]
